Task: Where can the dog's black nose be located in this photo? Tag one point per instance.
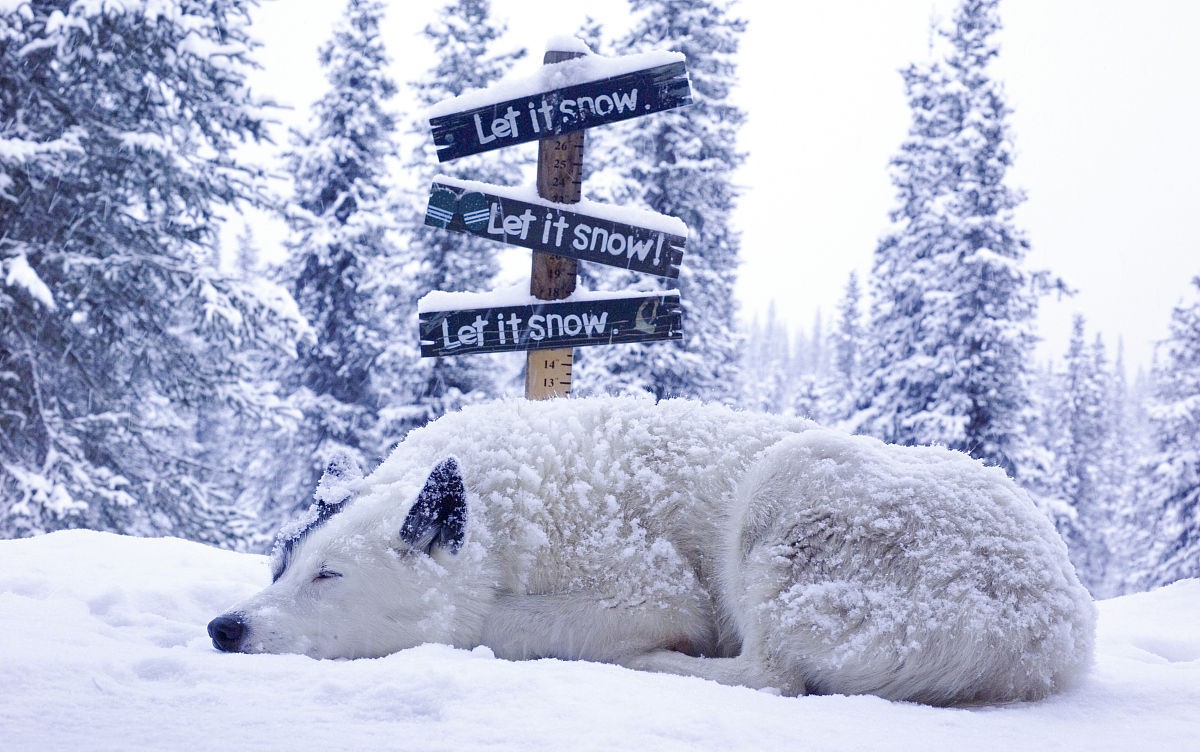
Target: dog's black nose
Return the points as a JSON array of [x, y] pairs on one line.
[[226, 632]]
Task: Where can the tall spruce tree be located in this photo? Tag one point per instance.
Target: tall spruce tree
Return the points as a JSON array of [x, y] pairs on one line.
[[1171, 493], [341, 238], [766, 369], [952, 319], [681, 164], [118, 124], [1129, 446], [1113, 469], [846, 342], [246, 253], [1083, 446], [901, 370], [995, 303], [1042, 471], [463, 40]]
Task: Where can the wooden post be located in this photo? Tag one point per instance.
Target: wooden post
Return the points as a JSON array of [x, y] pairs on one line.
[[559, 179]]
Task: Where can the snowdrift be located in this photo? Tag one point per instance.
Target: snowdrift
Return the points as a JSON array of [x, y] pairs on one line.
[[105, 648]]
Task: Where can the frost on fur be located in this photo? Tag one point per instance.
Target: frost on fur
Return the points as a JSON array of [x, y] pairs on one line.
[[749, 549], [334, 490]]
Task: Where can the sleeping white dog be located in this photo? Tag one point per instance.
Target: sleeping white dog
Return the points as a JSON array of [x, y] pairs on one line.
[[750, 549]]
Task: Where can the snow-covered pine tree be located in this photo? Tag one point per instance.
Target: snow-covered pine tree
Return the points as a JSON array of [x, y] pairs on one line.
[[118, 123], [994, 297], [846, 343], [463, 38], [901, 372], [1171, 492], [953, 312], [766, 369], [341, 237], [1042, 469], [1114, 468], [246, 253], [1131, 444], [682, 165], [1082, 449]]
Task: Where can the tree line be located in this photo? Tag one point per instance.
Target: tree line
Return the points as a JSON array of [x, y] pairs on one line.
[[146, 389]]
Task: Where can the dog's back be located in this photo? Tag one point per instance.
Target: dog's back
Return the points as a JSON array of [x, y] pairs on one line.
[[911, 573]]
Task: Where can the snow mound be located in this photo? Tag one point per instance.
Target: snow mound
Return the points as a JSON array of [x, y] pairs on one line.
[[105, 649]]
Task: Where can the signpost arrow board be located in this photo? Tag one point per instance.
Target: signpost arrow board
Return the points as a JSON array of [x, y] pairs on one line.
[[547, 227], [564, 110], [551, 325]]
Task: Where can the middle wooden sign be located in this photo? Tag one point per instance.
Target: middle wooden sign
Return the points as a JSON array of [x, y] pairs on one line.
[[480, 209]]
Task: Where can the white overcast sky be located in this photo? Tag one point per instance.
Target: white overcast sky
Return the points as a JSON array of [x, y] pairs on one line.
[[1105, 126]]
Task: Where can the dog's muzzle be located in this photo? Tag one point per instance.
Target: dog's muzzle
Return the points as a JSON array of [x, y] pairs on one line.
[[227, 632]]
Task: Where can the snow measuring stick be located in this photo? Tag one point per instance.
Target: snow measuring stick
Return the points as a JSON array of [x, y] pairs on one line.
[[560, 179], [581, 91]]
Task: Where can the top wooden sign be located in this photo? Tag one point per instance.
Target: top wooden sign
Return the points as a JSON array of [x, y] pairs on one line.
[[566, 110]]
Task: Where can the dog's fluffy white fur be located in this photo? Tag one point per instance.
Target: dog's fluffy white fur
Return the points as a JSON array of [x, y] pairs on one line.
[[691, 539]]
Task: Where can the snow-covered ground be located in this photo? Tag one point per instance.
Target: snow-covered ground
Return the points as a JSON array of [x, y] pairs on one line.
[[103, 647]]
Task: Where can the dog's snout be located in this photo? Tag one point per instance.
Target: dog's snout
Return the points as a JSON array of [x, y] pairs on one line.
[[227, 632]]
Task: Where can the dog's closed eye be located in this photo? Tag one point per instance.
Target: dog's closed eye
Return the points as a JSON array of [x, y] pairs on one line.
[[326, 574]]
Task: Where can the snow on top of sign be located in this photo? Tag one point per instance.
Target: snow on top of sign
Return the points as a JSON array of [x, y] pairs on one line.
[[567, 43], [554, 76], [518, 295], [627, 215]]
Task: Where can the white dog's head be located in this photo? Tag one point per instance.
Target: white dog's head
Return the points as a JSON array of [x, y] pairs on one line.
[[354, 584]]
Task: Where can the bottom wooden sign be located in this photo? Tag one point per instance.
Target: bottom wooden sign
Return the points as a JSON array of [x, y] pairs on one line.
[[551, 325]]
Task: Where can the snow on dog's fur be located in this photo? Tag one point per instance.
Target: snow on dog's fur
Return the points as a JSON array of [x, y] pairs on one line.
[[691, 539]]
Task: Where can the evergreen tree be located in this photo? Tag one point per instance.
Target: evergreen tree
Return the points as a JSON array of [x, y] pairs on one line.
[[246, 254], [1083, 449], [901, 370], [1042, 471], [809, 397], [846, 344], [953, 316], [1117, 458], [463, 38], [681, 165], [816, 355], [766, 374], [1171, 495], [995, 299], [591, 33], [341, 239], [118, 123], [1130, 536]]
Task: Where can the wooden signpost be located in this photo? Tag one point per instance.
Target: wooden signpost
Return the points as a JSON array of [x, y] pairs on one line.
[[552, 277], [559, 237]]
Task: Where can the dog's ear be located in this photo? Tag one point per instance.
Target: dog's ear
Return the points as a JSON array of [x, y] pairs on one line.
[[336, 488], [338, 483], [438, 518]]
